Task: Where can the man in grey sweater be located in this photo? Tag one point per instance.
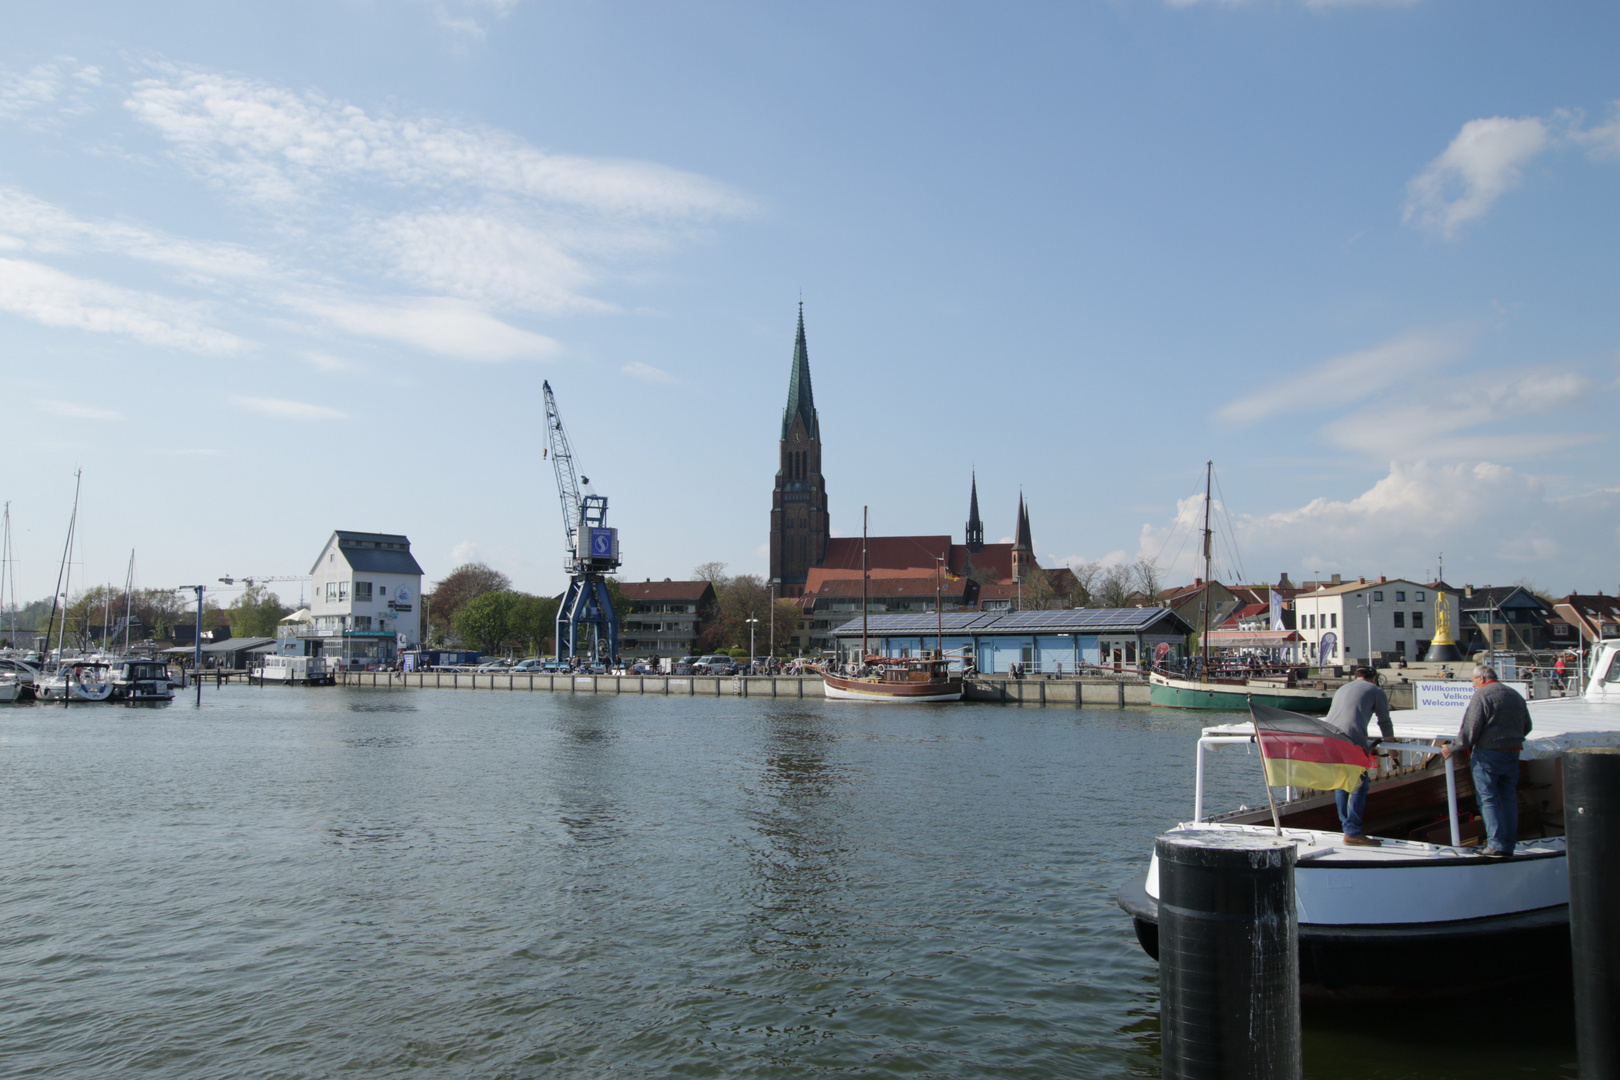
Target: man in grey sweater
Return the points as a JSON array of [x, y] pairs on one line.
[[1493, 731], [1354, 705]]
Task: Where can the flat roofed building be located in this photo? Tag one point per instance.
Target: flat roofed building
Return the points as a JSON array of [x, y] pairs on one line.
[[1333, 620], [1039, 640], [666, 618]]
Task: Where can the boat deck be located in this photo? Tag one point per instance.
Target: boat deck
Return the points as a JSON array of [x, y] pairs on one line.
[[1316, 848]]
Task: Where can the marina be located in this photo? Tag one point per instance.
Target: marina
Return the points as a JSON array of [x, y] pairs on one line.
[[423, 883]]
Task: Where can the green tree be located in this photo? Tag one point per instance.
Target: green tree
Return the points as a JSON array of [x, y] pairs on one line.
[[532, 621], [256, 612], [462, 584], [484, 622]]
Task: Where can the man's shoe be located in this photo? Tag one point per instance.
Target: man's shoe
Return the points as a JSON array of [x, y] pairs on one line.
[[1363, 841], [1493, 853]]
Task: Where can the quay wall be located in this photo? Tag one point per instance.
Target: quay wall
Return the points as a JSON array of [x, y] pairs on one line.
[[1073, 693]]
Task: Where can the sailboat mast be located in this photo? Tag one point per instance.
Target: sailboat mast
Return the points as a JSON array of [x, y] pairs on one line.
[[8, 580], [863, 584], [1203, 638], [56, 596], [129, 589]]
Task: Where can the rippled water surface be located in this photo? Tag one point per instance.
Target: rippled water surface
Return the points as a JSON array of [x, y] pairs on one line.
[[433, 883]]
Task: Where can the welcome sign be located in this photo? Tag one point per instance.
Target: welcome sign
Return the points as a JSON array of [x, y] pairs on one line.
[[1450, 697]]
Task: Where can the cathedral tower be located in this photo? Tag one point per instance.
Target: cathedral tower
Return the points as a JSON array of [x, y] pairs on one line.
[[799, 504]]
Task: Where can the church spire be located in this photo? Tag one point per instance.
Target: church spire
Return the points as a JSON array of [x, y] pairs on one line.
[[975, 527], [801, 401], [1024, 539]]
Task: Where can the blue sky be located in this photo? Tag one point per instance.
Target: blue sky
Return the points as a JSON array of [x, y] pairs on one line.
[[269, 270]]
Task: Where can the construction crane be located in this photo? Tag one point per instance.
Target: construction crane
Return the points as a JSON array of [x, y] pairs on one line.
[[593, 553], [257, 580]]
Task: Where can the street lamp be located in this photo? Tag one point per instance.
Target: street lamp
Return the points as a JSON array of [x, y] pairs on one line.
[[751, 621], [196, 663], [1367, 604]]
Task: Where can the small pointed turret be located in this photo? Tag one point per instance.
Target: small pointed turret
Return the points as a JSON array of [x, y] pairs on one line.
[[975, 527], [1023, 549]]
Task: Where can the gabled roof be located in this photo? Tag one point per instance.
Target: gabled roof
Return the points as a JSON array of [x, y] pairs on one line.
[[1502, 596], [1360, 585], [691, 592], [372, 553]]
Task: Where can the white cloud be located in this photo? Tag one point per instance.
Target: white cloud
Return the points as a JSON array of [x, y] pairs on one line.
[[1493, 523], [1348, 377], [447, 327], [278, 146], [73, 410], [1483, 162], [464, 552], [328, 363], [282, 409], [53, 298], [647, 373], [46, 91]]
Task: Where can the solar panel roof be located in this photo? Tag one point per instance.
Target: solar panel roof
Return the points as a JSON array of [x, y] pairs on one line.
[[1070, 621]]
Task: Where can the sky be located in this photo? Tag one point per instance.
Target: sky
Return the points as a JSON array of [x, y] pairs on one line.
[[269, 270]]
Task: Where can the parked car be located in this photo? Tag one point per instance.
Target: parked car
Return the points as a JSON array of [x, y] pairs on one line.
[[494, 665], [529, 666], [715, 665]]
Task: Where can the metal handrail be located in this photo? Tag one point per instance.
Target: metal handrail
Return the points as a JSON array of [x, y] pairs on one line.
[[1414, 748]]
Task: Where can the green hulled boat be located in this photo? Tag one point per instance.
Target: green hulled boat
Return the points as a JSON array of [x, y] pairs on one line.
[[1233, 696]]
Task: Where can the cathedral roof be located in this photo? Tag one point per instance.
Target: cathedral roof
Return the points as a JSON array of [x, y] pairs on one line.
[[801, 401]]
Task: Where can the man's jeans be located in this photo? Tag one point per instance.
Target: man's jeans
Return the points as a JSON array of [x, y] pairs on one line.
[[1352, 804], [1496, 786]]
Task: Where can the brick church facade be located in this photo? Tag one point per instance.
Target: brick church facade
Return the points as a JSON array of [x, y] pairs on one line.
[[808, 563]]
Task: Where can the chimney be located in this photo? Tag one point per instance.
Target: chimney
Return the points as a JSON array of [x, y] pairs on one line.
[[1468, 590], [1361, 581], [1382, 579], [1198, 581], [1337, 580]]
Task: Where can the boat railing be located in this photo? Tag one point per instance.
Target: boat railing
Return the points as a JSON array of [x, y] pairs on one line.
[[1212, 741]]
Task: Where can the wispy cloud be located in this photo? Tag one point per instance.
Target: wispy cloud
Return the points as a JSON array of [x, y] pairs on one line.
[[73, 410], [1484, 162], [45, 92], [448, 327], [1349, 377], [54, 298], [647, 373], [282, 409]]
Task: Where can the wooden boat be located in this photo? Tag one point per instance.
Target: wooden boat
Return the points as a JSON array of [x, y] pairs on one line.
[[889, 679], [895, 679]]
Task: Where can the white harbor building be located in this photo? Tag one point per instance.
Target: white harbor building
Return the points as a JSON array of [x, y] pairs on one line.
[[366, 604]]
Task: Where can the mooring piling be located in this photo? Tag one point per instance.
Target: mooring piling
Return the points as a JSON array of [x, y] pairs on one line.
[[1228, 956], [1592, 825]]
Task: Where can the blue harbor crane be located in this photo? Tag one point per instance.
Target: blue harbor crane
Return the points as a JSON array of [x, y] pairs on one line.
[[593, 553]]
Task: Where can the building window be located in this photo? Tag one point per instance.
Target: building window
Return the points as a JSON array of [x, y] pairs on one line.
[[362, 622], [343, 590], [1417, 620], [1311, 620], [1419, 597], [1335, 619], [1400, 597], [362, 591], [1400, 647], [1400, 620], [1496, 636], [1379, 595]]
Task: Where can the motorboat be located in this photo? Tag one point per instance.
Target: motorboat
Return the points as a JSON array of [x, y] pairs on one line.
[[26, 674], [140, 679], [296, 670], [10, 688], [76, 680], [1423, 913]]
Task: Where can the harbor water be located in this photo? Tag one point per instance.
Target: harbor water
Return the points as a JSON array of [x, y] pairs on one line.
[[432, 883]]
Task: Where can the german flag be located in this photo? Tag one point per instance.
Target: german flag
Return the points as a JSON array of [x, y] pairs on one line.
[[1302, 751]]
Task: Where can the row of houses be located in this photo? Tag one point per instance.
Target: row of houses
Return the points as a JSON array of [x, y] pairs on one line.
[[1337, 620]]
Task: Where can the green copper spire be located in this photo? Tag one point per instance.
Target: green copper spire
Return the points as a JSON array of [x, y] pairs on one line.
[[801, 401]]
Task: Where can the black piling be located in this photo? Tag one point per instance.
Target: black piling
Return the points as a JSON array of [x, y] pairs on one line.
[[1592, 823], [1228, 956]]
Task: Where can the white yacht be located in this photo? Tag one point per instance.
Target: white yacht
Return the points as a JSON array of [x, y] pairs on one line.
[[137, 678], [1424, 912], [76, 680]]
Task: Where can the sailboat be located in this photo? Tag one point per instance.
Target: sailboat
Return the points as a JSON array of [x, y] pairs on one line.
[[1209, 691], [894, 679]]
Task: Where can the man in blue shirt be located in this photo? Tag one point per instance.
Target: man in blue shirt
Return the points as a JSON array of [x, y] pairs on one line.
[[1354, 704]]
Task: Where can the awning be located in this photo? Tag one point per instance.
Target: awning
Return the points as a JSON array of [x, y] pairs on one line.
[[1253, 639]]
